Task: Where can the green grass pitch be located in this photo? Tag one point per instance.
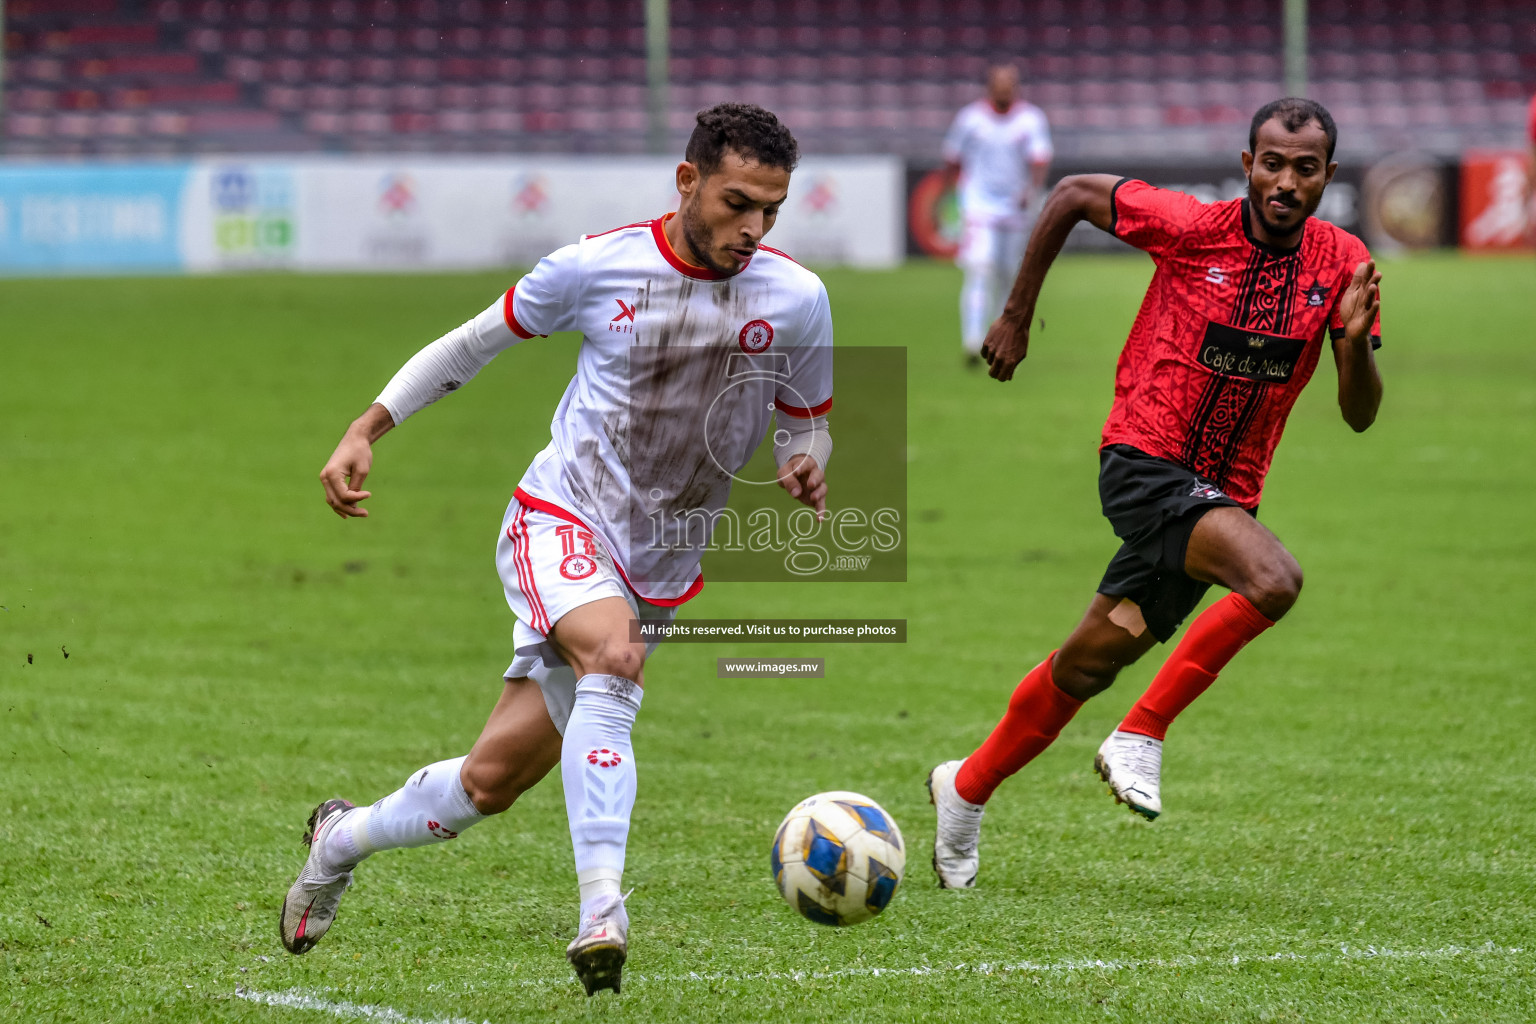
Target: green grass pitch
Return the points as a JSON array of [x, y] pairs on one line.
[[194, 650]]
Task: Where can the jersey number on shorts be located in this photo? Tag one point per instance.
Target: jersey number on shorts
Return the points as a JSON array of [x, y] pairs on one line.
[[576, 564]]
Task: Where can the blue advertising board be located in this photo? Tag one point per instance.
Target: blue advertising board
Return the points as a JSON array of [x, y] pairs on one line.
[[90, 218]]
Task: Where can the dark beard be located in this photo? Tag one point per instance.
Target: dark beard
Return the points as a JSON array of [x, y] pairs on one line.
[[1256, 206], [1275, 230], [698, 240]]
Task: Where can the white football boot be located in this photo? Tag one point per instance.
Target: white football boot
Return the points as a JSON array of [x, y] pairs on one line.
[[310, 906], [601, 945], [959, 829], [1132, 764]]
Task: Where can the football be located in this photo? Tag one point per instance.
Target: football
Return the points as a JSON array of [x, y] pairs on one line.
[[837, 858]]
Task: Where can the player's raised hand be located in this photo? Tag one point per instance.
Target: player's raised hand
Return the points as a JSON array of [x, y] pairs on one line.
[[1361, 301], [1006, 345], [805, 481]]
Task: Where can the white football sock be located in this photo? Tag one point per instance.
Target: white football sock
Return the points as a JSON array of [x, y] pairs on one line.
[[597, 769], [431, 807]]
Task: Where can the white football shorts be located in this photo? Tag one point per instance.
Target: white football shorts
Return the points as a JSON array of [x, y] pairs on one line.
[[991, 244], [550, 566]]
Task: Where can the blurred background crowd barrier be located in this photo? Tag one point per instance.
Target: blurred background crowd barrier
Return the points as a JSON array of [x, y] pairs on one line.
[[397, 212], [131, 126]]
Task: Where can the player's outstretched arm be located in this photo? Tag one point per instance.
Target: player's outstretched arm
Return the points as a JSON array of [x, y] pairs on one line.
[[349, 464], [1076, 197], [1359, 380], [441, 368]]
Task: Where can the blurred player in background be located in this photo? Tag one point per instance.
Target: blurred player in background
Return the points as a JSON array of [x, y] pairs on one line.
[[999, 152], [669, 311], [1230, 331]]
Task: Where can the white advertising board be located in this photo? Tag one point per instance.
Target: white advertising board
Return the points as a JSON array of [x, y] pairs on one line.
[[397, 213]]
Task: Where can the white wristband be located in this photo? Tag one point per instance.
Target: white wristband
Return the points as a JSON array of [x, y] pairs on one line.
[[808, 436]]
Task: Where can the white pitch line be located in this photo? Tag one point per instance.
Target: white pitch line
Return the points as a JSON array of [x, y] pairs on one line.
[[299, 999], [1345, 953], [1062, 966]]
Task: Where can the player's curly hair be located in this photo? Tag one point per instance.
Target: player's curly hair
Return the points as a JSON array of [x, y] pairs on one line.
[[748, 129], [1294, 112]]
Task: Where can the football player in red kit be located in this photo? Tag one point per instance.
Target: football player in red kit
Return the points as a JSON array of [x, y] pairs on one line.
[[1244, 296]]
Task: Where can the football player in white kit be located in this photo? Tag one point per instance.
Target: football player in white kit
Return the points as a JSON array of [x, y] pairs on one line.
[[999, 149], [656, 422]]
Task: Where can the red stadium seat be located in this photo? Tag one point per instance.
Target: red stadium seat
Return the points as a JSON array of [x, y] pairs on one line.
[[502, 121], [233, 121], [167, 122], [29, 126], [325, 97], [368, 122], [1222, 113], [368, 97], [413, 122], [1181, 114], [283, 97], [322, 122], [458, 122], [338, 40], [373, 69]]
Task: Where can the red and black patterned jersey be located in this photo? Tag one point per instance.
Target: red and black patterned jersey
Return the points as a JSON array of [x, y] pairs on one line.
[[1227, 336]]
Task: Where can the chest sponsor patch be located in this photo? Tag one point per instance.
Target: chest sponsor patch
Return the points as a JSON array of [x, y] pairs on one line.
[[1251, 355]]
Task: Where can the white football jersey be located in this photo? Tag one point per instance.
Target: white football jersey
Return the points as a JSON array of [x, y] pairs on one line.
[[993, 151], [680, 372]]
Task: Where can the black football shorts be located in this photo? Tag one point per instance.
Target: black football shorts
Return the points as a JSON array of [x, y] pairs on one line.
[[1153, 505]]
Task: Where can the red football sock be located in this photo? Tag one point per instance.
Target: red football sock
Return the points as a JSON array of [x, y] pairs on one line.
[[1213, 639], [1036, 714]]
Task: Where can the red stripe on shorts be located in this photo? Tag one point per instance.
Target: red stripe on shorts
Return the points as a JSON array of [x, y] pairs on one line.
[[520, 545], [538, 602], [517, 566]]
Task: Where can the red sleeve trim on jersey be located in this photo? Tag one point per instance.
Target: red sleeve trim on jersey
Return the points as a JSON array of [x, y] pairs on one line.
[[510, 317], [802, 413], [540, 505], [658, 230], [1114, 209]]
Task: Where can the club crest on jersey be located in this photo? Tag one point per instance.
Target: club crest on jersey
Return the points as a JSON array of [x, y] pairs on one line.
[[1317, 295], [755, 337], [577, 567]]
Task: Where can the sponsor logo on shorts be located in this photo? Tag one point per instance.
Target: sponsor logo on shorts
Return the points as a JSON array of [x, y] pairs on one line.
[[755, 336], [1201, 489], [604, 758], [577, 567]]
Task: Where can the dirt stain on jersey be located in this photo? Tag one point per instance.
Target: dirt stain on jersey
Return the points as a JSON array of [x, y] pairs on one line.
[[691, 420]]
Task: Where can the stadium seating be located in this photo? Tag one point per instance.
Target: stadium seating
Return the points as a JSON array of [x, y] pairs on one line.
[[1158, 78]]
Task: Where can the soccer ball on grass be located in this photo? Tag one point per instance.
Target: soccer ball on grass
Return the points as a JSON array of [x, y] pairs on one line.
[[838, 858]]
